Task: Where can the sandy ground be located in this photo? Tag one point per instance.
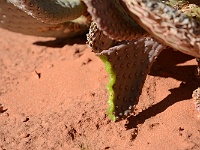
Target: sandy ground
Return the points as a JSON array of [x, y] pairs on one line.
[[54, 96]]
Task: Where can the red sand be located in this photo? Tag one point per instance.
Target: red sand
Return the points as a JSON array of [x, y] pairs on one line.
[[54, 97]]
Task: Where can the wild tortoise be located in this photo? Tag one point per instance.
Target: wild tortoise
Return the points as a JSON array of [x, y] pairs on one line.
[[128, 35]]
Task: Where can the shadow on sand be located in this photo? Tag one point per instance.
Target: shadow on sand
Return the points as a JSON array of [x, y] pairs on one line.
[[167, 62], [61, 42]]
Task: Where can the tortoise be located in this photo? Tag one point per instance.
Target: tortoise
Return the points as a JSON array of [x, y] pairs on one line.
[[127, 35]]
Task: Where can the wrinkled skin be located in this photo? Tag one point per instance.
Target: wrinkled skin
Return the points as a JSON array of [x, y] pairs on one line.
[[48, 18], [128, 35]]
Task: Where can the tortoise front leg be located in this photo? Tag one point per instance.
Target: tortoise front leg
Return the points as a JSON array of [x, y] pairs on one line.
[[113, 20]]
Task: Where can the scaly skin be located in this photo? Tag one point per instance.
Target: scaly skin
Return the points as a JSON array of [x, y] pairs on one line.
[[16, 20], [165, 23], [188, 7], [51, 11], [113, 20], [122, 43], [128, 73], [127, 64]]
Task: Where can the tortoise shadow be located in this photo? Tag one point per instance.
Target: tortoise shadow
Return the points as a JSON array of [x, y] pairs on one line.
[[61, 42], [167, 61]]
